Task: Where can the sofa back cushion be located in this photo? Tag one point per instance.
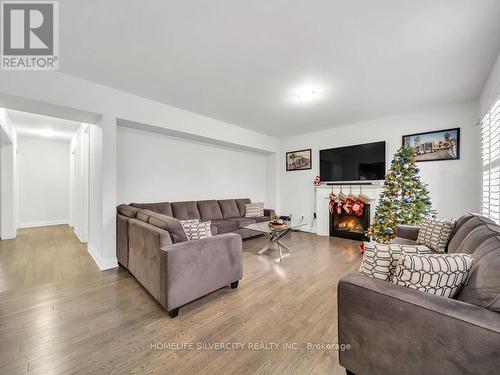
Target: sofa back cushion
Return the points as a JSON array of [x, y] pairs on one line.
[[209, 210], [476, 237], [128, 211], [483, 287], [170, 224], [185, 210], [163, 208], [229, 208], [241, 205], [465, 225]]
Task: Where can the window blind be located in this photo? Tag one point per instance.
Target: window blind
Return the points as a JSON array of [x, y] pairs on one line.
[[490, 146]]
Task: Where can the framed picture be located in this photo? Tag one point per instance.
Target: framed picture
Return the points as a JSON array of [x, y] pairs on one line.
[[298, 160], [436, 145]]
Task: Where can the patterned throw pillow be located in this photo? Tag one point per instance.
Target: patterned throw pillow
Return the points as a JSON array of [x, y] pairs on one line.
[[380, 260], [196, 230], [436, 233], [254, 209], [440, 274]]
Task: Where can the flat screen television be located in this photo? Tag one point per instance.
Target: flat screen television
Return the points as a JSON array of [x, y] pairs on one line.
[[353, 163]]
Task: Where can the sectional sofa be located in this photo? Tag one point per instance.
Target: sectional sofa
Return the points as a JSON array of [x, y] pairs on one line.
[[395, 330], [152, 245]]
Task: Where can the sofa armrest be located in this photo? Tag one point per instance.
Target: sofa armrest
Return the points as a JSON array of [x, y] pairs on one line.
[[397, 330], [193, 269], [408, 231], [269, 212]]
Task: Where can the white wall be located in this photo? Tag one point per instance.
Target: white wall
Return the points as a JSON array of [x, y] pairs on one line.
[[8, 178], [154, 167], [79, 182], [491, 91], [44, 177], [454, 185]]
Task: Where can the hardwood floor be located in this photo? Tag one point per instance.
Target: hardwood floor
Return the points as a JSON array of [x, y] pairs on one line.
[[60, 315]]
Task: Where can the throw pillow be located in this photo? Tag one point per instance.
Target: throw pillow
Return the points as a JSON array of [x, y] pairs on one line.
[[435, 233], [440, 274], [254, 209], [380, 260], [196, 230]]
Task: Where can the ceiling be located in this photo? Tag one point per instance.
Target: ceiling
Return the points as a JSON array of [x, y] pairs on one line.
[[38, 126], [241, 61]]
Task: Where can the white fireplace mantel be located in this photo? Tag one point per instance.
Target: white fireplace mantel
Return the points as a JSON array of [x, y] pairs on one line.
[[372, 191]]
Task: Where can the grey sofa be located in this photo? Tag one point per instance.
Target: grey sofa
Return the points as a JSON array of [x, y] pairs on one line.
[[152, 245], [396, 330]]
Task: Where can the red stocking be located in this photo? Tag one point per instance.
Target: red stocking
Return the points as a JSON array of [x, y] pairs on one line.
[[348, 206], [339, 208], [357, 207]]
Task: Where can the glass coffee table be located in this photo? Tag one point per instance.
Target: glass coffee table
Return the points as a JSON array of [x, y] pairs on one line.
[[275, 235]]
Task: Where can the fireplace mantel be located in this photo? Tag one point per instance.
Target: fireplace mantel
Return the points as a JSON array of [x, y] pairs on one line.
[[322, 201]]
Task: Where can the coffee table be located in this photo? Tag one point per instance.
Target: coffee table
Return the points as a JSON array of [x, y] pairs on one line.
[[275, 235]]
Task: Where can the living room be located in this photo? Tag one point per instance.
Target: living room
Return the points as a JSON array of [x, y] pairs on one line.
[[257, 187]]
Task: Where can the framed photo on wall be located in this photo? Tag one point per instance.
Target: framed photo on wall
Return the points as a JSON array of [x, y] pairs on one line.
[[298, 160], [435, 145]]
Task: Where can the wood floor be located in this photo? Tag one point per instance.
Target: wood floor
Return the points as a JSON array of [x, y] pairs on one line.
[[60, 315]]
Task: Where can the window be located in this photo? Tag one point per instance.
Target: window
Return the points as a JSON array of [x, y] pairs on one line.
[[490, 142]]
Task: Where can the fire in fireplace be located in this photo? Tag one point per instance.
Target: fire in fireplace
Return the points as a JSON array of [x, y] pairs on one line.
[[349, 225]]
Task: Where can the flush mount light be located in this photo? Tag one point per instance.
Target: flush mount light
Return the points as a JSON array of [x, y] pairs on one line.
[[307, 93], [47, 133]]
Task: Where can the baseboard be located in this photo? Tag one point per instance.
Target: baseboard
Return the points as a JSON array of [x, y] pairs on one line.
[[79, 235], [103, 264], [43, 223]]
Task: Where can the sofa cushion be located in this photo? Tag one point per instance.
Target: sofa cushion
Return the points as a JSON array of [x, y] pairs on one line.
[[225, 226], [403, 241], [161, 207], [196, 230], [229, 208], [170, 224], [477, 236], [185, 210], [241, 205], [435, 233], [254, 209], [209, 210], [465, 227], [128, 211], [143, 215], [440, 274], [462, 220], [380, 260], [243, 221], [483, 287]]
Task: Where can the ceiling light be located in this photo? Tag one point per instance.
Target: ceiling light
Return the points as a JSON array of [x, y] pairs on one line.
[[47, 133], [307, 93]]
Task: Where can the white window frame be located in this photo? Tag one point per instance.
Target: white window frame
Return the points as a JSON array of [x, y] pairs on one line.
[[490, 155]]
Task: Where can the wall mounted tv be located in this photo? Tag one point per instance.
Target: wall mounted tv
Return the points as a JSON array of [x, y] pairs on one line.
[[353, 163]]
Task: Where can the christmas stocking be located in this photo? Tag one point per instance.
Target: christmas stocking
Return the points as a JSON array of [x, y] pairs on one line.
[[357, 207], [339, 208], [348, 206]]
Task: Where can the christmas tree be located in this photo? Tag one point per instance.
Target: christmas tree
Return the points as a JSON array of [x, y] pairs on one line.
[[404, 200]]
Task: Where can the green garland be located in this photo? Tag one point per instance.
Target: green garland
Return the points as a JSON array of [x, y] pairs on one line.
[[404, 200]]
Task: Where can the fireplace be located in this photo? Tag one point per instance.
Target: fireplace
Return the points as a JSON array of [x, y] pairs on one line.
[[350, 226]]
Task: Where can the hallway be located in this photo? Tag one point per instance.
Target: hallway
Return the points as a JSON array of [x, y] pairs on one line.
[[42, 255]]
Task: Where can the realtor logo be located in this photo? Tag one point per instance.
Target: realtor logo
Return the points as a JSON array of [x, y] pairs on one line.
[[29, 35]]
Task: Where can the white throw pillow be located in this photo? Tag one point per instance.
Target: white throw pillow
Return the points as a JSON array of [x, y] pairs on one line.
[[440, 274], [196, 230], [436, 233], [380, 260], [254, 209]]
